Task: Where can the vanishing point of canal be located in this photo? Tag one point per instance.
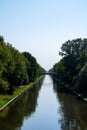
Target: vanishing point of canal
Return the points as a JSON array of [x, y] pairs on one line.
[[46, 106]]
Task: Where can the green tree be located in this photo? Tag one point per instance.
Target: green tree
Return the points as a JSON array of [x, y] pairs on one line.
[[72, 68], [16, 68]]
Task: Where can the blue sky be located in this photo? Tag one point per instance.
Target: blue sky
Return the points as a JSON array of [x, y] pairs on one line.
[[42, 26]]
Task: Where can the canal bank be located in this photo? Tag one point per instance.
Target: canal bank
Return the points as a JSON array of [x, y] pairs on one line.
[[46, 106], [10, 98], [81, 96]]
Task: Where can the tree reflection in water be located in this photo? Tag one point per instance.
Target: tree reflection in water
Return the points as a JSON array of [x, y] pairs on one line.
[[13, 116], [73, 110]]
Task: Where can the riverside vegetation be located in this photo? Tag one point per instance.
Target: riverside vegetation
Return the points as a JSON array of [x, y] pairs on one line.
[[16, 69], [19, 69], [72, 68]]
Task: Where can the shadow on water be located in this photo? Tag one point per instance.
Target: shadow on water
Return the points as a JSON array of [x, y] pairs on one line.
[[73, 111], [57, 108], [13, 116]]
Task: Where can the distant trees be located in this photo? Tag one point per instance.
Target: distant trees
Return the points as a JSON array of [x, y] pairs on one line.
[[72, 68], [16, 68], [33, 68]]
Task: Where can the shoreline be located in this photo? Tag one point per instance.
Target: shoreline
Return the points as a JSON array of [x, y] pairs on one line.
[[14, 97], [79, 95]]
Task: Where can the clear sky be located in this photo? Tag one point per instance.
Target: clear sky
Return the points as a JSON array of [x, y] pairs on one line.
[[42, 26]]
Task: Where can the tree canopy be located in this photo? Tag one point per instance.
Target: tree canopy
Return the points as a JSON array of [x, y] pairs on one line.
[[16, 68], [72, 68]]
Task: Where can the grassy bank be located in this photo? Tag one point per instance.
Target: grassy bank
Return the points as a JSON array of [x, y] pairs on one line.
[[7, 99]]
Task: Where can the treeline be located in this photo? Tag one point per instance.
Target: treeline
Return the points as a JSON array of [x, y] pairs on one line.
[[16, 68], [72, 68]]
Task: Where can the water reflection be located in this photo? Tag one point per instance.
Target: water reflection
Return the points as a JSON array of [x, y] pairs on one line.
[[12, 117], [73, 111], [54, 108]]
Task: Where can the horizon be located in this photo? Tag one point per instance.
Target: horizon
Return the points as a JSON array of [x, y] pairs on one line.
[[41, 27]]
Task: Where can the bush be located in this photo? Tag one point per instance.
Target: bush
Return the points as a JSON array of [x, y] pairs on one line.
[[4, 86]]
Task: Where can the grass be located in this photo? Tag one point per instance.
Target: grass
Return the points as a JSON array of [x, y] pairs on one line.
[[4, 99]]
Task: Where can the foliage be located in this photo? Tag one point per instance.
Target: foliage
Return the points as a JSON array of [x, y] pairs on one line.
[[16, 68], [72, 68], [33, 68]]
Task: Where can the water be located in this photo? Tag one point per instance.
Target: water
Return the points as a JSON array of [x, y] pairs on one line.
[[46, 106]]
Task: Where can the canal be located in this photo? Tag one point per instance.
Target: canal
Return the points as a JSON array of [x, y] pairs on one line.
[[46, 106]]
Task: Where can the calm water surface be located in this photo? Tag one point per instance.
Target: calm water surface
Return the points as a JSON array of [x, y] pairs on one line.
[[46, 106]]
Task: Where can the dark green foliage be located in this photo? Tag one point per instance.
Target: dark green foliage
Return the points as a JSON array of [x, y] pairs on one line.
[[33, 68], [72, 68], [4, 86], [16, 68]]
